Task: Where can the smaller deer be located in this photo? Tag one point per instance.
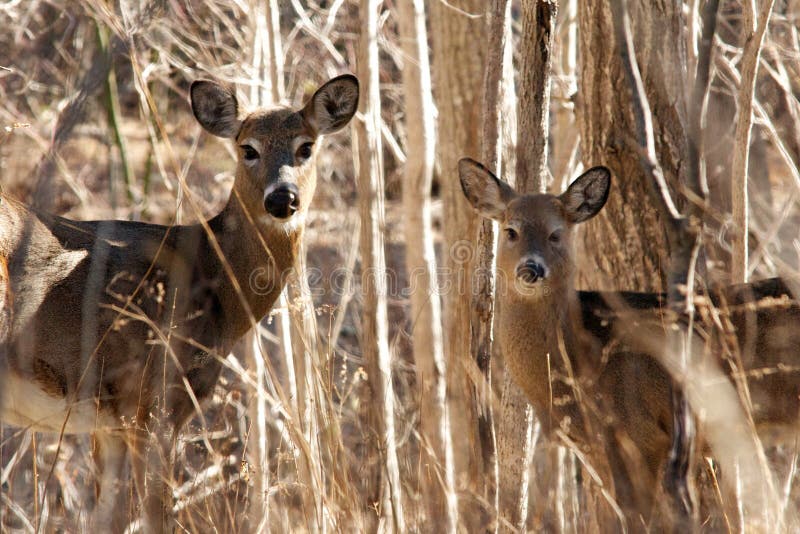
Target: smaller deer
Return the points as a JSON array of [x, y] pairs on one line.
[[578, 360], [118, 328]]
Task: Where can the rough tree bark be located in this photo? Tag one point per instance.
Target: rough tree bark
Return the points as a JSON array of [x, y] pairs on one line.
[[458, 77], [626, 244], [426, 315], [515, 424], [536, 58], [483, 272], [375, 324]]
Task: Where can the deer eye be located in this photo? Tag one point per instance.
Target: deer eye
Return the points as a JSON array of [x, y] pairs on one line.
[[555, 237], [511, 234], [304, 151], [250, 153]]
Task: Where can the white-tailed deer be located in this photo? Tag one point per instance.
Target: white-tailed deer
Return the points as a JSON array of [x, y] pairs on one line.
[[577, 357], [118, 328]]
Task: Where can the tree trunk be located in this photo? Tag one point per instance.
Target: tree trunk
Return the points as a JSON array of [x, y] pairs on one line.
[[375, 324], [626, 244], [258, 450], [494, 147], [514, 435], [536, 59], [458, 78], [426, 320]]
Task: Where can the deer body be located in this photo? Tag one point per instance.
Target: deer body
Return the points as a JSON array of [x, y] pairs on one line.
[[118, 328], [177, 280], [589, 362]]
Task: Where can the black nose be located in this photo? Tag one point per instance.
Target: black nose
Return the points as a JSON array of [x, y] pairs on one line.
[[530, 271], [283, 201]]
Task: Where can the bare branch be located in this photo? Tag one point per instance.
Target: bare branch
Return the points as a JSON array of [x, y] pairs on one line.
[[754, 31]]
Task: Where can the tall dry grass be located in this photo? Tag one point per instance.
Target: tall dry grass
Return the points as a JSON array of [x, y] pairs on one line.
[[95, 124]]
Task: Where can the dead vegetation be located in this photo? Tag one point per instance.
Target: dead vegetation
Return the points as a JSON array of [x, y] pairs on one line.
[[95, 124]]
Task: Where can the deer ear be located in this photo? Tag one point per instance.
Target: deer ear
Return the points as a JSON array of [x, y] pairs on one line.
[[487, 194], [215, 108], [587, 195], [333, 105]]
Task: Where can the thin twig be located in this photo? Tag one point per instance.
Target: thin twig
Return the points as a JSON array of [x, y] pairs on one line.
[[754, 30]]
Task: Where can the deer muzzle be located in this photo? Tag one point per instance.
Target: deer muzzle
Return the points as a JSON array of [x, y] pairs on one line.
[[530, 271], [283, 201]]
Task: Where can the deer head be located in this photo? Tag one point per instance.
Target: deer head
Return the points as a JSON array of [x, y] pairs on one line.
[[535, 245], [276, 147]]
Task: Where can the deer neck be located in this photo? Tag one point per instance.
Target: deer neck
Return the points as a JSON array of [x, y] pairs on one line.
[[260, 253], [541, 338]]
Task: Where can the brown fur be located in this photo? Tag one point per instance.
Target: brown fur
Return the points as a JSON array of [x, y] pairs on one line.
[[580, 357], [120, 316]]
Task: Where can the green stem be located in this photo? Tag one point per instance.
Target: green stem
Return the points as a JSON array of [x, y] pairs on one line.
[[115, 116]]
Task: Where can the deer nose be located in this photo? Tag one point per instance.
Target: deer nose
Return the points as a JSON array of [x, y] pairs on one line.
[[283, 201], [531, 271]]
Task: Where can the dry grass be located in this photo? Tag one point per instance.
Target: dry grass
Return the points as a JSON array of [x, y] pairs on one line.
[[50, 82]]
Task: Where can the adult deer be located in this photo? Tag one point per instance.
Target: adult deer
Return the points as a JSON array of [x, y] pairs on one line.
[[593, 365], [118, 328]]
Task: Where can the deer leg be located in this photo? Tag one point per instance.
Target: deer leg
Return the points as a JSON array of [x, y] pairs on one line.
[[109, 456]]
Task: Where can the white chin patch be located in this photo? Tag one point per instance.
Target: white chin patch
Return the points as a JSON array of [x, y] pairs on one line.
[[290, 225]]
